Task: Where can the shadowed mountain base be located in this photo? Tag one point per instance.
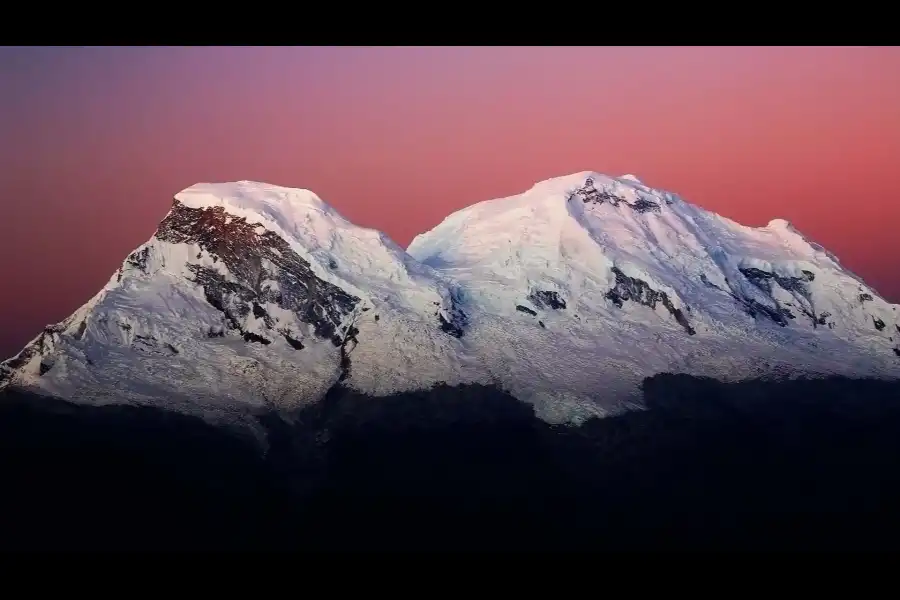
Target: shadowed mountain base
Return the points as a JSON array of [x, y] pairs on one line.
[[757, 465]]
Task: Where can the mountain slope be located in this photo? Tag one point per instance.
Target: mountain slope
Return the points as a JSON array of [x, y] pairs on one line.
[[600, 281], [250, 293], [252, 296]]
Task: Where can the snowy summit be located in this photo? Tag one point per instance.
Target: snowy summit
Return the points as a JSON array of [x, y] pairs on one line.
[[253, 296]]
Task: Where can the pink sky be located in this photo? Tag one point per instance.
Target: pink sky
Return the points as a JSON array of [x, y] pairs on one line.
[[95, 142]]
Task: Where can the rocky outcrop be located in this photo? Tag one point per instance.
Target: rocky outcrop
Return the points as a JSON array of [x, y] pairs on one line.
[[795, 286], [591, 195], [636, 290], [264, 270], [138, 259], [453, 319], [546, 299], [642, 205], [42, 347]]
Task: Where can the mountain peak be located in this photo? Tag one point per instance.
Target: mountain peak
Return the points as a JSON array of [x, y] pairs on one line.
[[250, 199], [780, 224], [297, 215], [566, 183], [365, 260], [579, 178], [262, 294]]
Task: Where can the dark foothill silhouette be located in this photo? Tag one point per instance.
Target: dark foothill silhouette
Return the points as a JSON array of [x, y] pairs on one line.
[[790, 465]]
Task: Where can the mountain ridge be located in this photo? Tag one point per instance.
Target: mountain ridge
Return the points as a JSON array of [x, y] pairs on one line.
[[255, 295]]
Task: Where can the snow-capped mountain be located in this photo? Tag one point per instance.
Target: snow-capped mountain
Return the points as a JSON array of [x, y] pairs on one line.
[[568, 295]]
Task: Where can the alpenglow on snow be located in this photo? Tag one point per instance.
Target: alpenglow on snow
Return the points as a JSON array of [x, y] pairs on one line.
[[252, 296]]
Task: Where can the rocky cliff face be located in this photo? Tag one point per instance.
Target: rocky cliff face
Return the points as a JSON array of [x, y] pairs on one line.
[[260, 269]]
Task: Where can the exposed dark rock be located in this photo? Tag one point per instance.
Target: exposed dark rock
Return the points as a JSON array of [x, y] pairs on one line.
[[526, 310], [148, 344], [865, 298], [637, 290], [705, 281], [294, 343], [229, 297], [348, 343], [879, 324], [795, 285], [259, 312], [754, 309], [456, 320], [763, 279], [591, 195], [758, 277], [547, 299], [249, 336], [243, 250], [450, 327], [41, 345], [541, 323], [897, 351], [809, 314], [138, 259], [642, 205]]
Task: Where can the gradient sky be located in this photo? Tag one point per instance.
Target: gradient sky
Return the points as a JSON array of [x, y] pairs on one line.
[[94, 142]]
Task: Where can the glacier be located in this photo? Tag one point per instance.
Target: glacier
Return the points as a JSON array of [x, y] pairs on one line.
[[252, 297]]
